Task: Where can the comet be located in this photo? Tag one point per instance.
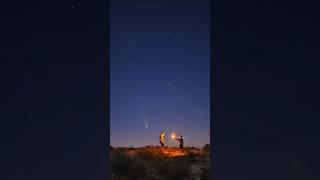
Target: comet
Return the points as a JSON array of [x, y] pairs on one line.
[[143, 113]]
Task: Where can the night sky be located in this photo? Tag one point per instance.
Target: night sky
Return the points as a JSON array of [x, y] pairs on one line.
[[160, 72]]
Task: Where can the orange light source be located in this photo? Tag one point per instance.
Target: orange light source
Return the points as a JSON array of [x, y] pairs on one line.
[[173, 136]]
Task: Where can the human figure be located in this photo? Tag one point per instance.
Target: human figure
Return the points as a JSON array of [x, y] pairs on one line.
[[161, 138], [180, 139]]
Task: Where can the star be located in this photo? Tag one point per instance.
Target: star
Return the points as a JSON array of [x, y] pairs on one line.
[[72, 7]]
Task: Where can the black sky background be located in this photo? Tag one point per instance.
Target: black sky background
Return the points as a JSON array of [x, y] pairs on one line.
[[53, 90], [266, 90]]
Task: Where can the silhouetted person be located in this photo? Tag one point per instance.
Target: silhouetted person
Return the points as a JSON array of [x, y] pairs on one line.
[[161, 138], [180, 139]]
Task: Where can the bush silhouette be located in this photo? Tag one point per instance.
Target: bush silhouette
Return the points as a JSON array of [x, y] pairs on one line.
[[206, 148]]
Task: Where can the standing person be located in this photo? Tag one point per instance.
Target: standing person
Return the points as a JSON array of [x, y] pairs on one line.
[[161, 138], [180, 139]]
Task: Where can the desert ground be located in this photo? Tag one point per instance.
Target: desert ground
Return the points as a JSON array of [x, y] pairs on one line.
[[156, 163]]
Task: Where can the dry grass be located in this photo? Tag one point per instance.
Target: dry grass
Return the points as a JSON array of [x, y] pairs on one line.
[[157, 163]]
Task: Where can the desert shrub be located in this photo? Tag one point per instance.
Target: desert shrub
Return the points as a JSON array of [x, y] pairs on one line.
[[205, 174], [172, 169], [179, 169], [137, 170], [120, 163], [125, 167], [205, 152], [206, 148], [191, 157], [119, 149], [161, 168]]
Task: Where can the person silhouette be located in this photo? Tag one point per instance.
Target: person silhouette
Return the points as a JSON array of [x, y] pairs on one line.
[[180, 139], [161, 138]]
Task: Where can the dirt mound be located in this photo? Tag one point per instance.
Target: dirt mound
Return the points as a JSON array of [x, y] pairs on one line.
[[166, 151], [154, 162]]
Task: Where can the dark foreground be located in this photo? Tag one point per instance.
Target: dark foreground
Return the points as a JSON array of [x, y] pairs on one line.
[[154, 163]]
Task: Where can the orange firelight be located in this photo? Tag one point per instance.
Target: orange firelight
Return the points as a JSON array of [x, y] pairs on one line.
[[173, 136]]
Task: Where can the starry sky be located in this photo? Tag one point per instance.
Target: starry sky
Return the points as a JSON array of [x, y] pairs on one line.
[[159, 72]]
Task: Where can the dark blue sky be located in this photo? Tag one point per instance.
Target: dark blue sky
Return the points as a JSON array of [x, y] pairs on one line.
[[160, 71]]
